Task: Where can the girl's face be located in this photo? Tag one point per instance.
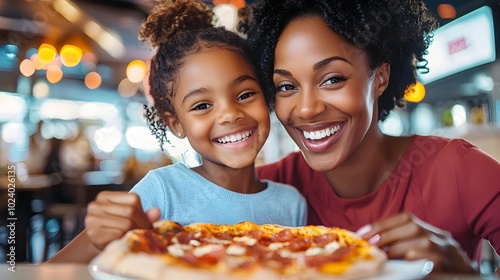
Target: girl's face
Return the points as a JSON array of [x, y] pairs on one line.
[[326, 94], [220, 107]]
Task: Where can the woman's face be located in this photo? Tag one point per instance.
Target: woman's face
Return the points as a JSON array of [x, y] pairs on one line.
[[220, 107], [326, 94]]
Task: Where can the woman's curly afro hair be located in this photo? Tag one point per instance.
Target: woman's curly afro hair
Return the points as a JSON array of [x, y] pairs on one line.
[[397, 32]]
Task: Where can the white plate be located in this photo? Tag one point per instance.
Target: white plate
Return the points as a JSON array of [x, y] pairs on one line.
[[405, 270], [393, 270]]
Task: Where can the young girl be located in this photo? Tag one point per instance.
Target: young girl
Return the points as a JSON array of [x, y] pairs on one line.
[[204, 88], [334, 68]]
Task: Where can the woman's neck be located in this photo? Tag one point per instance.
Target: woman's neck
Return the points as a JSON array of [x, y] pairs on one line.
[[241, 180], [369, 166]]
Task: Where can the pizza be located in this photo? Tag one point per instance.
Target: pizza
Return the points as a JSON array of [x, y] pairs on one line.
[[241, 251]]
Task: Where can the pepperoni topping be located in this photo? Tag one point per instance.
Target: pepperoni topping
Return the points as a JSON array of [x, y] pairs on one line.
[[223, 236], [299, 244], [279, 261], [338, 255], [322, 240], [190, 258], [213, 257], [258, 251], [184, 237], [282, 236], [150, 243], [255, 234]]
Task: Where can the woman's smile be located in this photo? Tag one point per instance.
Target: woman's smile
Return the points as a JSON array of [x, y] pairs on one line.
[[319, 140]]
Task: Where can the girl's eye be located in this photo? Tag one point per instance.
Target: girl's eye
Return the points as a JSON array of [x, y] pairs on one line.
[[201, 106], [334, 80], [284, 87], [245, 95]]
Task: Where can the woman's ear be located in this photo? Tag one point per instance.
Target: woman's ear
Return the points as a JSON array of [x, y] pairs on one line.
[[381, 80], [173, 124]]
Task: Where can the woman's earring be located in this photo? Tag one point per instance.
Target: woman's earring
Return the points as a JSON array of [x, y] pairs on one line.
[[180, 135]]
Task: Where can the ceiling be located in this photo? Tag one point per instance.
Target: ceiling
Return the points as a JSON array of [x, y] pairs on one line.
[[28, 23]]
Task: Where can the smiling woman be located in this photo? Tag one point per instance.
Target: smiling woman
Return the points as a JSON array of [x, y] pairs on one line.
[[333, 70]]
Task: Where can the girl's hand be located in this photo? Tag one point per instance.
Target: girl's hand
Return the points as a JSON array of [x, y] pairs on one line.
[[112, 214], [404, 236]]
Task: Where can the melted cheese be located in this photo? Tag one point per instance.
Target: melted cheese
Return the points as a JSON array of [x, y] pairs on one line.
[[175, 250], [246, 240], [332, 247], [313, 251], [195, 243], [200, 251], [235, 250], [277, 245]]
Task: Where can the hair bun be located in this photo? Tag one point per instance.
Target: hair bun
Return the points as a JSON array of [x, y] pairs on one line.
[[171, 17]]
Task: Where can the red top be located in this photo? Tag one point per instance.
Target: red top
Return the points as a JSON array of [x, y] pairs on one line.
[[450, 184]]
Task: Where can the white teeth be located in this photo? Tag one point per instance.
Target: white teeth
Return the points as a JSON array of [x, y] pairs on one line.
[[320, 134], [240, 136]]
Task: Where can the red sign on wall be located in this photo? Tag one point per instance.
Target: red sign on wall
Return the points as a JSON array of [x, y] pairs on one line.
[[457, 45]]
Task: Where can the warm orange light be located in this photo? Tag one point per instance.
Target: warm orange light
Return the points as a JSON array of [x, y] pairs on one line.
[[415, 93], [71, 55], [39, 65], [446, 11], [136, 71], [46, 53], [54, 74], [237, 3], [27, 68], [93, 80]]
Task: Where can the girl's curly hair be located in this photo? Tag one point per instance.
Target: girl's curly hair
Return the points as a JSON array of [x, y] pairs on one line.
[[178, 28], [397, 32]]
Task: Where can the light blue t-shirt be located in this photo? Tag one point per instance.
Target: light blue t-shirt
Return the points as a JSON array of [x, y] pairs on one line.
[[185, 196]]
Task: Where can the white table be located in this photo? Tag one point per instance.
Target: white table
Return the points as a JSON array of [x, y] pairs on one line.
[[45, 272], [80, 272]]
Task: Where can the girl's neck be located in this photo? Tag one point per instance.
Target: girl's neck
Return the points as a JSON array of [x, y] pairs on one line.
[[241, 180], [371, 164]]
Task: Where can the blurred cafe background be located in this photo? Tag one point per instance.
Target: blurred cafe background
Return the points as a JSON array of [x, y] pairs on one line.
[[73, 83]]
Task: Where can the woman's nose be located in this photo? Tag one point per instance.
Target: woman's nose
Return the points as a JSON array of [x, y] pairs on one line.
[[309, 104]]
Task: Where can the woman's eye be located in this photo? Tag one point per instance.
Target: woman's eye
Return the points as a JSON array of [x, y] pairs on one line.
[[201, 106], [246, 95], [334, 80], [285, 87]]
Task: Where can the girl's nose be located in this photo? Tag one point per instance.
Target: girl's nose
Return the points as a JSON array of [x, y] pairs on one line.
[[230, 114]]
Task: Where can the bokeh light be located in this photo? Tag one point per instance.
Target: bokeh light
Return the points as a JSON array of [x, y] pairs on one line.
[[136, 71], [127, 89], [93, 80], [46, 53], [41, 89], [71, 55], [415, 93], [54, 74], [27, 68], [446, 11], [39, 65]]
